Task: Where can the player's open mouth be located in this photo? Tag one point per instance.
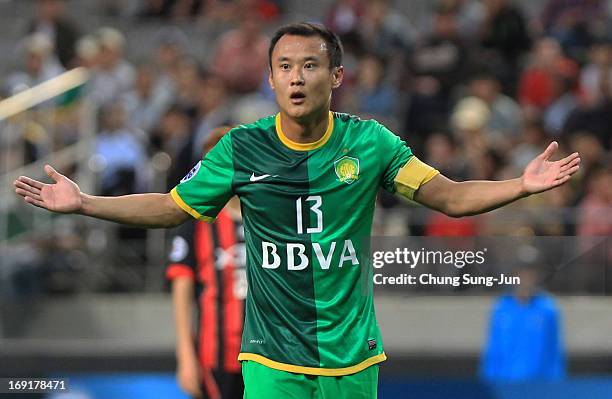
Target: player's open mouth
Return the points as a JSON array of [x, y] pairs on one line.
[[297, 98]]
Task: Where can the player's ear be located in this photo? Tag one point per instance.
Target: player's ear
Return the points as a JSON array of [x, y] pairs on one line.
[[270, 80], [337, 76]]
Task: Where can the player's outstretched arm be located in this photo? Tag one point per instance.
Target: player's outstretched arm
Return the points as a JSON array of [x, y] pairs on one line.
[[473, 197], [64, 196]]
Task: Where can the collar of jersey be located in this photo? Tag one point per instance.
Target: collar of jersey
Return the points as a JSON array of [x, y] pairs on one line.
[[304, 146]]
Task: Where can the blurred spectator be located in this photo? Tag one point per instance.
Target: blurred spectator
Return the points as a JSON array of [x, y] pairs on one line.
[[438, 65], [594, 210], [373, 96], [532, 143], [469, 120], [343, 16], [535, 87], [594, 114], [114, 75], [563, 96], [170, 45], [505, 120], [591, 151], [121, 154], [213, 110], [384, 30], [187, 84], [595, 81], [172, 9], [525, 340], [505, 32], [175, 137], [185, 9], [248, 109], [170, 50], [268, 10], [345, 19], [231, 10], [241, 58], [155, 8], [441, 56], [440, 225], [148, 101], [120, 8], [443, 153], [471, 15], [563, 15], [39, 64], [60, 31], [485, 165], [571, 22], [595, 119]]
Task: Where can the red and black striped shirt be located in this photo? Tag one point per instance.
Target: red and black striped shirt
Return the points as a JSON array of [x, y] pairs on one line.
[[214, 256]]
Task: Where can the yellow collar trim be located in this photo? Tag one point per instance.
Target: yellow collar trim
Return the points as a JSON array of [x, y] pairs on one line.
[[305, 146]]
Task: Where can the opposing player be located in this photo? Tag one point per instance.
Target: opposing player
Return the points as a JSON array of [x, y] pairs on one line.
[[307, 180], [207, 268]]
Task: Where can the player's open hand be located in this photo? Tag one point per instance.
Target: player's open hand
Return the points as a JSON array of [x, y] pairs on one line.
[[63, 196], [542, 174]]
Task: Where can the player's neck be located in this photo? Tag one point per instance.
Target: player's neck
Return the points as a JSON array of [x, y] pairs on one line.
[[307, 130]]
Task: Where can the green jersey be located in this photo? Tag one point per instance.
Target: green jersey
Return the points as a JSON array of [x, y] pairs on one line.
[[306, 210]]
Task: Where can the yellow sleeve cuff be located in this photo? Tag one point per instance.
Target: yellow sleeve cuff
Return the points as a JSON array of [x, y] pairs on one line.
[[413, 175], [183, 205]]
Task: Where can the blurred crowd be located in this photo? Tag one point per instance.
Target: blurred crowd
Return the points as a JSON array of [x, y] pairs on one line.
[[477, 88]]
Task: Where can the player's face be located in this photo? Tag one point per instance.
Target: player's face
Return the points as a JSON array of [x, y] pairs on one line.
[[301, 76]]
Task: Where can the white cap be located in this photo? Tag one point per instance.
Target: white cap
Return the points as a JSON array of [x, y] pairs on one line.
[[471, 113], [111, 38], [38, 43], [87, 47]]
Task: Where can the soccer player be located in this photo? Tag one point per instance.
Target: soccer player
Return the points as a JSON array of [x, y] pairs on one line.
[[207, 266], [307, 180]]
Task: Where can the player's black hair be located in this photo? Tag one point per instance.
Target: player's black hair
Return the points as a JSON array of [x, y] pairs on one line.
[[307, 29]]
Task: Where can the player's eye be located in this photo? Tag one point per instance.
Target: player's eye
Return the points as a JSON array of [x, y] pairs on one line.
[[284, 67], [310, 65]]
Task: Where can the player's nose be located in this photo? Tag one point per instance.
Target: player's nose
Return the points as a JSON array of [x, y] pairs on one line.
[[297, 78]]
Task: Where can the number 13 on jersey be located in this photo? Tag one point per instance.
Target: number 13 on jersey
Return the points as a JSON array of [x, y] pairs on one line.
[[315, 206]]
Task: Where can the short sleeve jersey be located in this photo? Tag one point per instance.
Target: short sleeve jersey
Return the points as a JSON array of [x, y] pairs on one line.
[[307, 212]]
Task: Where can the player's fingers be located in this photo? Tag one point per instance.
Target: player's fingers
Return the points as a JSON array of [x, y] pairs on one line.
[[35, 202], [561, 180], [569, 165], [570, 158], [26, 187], [570, 171], [549, 151], [52, 173], [25, 193], [31, 182]]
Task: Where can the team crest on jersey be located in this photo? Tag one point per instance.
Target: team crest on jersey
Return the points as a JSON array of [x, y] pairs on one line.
[[347, 169], [192, 172]]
